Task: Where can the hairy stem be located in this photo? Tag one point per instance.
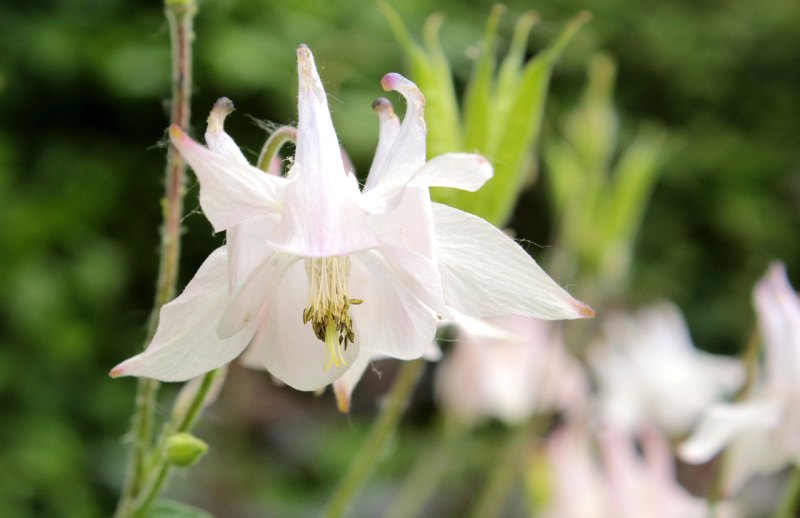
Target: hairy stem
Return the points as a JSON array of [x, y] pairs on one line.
[[382, 430], [180, 14]]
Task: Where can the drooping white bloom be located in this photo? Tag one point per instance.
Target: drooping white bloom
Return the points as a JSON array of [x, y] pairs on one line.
[[762, 432], [621, 484], [509, 368], [650, 373], [316, 273]]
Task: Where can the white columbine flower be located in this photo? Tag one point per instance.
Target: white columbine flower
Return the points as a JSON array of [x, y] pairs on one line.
[[509, 368], [316, 273], [650, 373], [762, 432]]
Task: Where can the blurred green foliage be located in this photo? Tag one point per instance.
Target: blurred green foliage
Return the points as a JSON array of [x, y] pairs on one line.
[[82, 89]]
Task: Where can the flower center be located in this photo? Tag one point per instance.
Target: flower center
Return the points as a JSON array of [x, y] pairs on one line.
[[328, 307]]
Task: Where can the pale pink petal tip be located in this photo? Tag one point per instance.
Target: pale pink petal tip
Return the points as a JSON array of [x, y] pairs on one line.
[[393, 81], [584, 310], [117, 371], [342, 398]]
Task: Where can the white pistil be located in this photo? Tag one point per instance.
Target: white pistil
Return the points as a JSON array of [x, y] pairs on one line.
[[328, 307]]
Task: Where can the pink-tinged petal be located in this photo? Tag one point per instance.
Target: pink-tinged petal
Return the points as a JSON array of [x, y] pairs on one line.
[[722, 422], [778, 311], [344, 386], [392, 320], [244, 306], [485, 273], [230, 192], [186, 343], [217, 140], [389, 127], [321, 217], [288, 349]]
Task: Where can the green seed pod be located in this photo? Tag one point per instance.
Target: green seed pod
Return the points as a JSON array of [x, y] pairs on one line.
[[184, 449]]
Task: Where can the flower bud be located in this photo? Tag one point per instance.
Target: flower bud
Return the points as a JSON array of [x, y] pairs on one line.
[[184, 449]]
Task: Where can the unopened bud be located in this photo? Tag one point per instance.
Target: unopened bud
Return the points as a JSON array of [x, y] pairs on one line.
[[184, 449]]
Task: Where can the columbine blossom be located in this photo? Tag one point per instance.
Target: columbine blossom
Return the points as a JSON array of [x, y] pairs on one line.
[[315, 273], [650, 373], [623, 485], [509, 368], [762, 432]]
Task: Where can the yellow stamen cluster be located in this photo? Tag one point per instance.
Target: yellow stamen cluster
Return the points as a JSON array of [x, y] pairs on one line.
[[328, 307]]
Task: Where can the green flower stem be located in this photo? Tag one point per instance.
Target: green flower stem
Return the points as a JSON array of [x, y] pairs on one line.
[[791, 497], [382, 430], [161, 466], [273, 144], [180, 14], [500, 481], [432, 465]]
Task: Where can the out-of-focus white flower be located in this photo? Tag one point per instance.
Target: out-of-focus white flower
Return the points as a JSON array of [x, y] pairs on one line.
[[622, 485], [762, 432], [316, 273], [649, 373], [509, 368]]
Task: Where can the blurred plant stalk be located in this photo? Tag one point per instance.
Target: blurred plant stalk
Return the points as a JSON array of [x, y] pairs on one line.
[[502, 109], [599, 201], [180, 14]]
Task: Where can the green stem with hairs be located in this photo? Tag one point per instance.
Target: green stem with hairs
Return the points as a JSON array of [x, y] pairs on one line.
[[382, 430], [180, 14]]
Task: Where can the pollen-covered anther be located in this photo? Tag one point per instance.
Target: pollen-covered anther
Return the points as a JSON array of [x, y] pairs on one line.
[[328, 308]]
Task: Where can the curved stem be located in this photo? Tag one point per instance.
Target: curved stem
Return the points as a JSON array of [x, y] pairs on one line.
[[382, 430], [182, 423], [273, 144], [180, 14]]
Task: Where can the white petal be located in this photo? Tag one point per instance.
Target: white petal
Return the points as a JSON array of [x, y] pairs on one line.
[[249, 246], [389, 127], [721, 423], [407, 153], [259, 287], [217, 140], [288, 348], [485, 273], [467, 171], [409, 225], [456, 170], [321, 216], [778, 311], [186, 343], [230, 192], [392, 320]]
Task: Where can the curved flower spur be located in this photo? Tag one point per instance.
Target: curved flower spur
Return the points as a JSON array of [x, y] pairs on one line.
[[316, 273]]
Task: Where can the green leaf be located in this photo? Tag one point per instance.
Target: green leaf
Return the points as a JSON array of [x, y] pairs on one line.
[[172, 509], [508, 78], [479, 89]]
